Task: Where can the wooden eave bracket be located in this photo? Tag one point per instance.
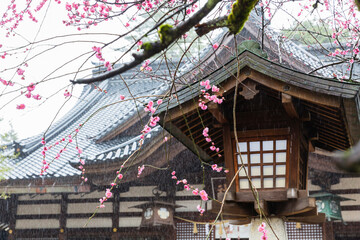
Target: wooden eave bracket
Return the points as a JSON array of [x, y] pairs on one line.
[[288, 104], [215, 110], [295, 206], [233, 209]]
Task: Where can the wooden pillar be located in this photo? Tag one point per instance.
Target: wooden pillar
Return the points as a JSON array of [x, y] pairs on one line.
[[228, 156], [62, 219], [12, 216], [328, 231], [294, 154], [115, 216]]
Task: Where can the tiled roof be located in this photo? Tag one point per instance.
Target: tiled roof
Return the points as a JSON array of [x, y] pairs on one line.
[[110, 114], [120, 151]]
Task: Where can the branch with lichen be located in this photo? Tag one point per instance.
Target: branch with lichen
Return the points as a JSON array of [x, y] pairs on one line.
[[167, 35], [235, 21]]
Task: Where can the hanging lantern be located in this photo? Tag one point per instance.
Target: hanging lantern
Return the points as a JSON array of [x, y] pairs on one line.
[[329, 204], [157, 213]]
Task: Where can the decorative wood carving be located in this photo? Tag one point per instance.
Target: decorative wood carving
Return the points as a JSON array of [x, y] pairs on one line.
[[249, 90]]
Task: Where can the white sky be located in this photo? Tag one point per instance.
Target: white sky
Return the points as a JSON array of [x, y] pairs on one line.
[[34, 118]]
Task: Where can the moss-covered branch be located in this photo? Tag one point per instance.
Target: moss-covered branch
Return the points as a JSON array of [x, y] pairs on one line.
[[168, 35], [240, 14], [357, 2], [235, 21]]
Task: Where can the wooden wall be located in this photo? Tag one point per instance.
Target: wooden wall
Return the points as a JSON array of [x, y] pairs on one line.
[[64, 214]]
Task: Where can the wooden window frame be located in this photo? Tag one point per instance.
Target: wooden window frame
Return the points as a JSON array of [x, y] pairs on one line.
[[263, 135]]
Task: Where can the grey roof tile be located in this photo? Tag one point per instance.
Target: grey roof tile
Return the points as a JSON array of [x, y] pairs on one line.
[[113, 114]]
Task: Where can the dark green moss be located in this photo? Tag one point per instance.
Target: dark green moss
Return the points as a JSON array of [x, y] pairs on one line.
[[165, 33], [239, 15], [147, 46]]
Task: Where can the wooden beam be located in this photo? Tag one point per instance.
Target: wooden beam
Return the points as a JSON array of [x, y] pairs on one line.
[[288, 104], [294, 91], [180, 110], [214, 109], [315, 219], [294, 206], [313, 212], [247, 196], [261, 207], [263, 132], [241, 221], [233, 209], [177, 133]]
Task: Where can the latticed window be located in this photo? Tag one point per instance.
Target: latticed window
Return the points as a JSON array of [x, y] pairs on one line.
[[265, 161], [297, 231]]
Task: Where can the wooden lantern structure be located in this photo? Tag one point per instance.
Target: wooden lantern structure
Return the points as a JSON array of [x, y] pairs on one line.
[[157, 213], [281, 115], [329, 204]]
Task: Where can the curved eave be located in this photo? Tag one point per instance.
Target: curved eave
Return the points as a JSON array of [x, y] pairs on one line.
[[156, 153], [322, 90], [316, 90], [70, 184]]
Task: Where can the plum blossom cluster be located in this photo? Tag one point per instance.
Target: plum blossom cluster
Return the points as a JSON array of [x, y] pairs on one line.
[[218, 169], [67, 93], [262, 229], [210, 97], [13, 16], [87, 14], [191, 9], [6, 83], [205, 133], [146, 66], [140, 170], [153, 120], [29, 94], [195, 191], [147, 5], [66, 140], [108, 194], [200, 209], [82, 165], [98, 54]]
